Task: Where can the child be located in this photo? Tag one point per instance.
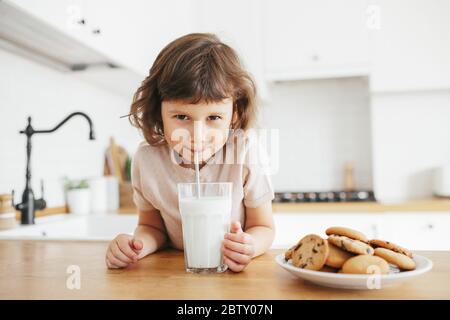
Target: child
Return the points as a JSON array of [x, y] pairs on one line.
[[196, 82]]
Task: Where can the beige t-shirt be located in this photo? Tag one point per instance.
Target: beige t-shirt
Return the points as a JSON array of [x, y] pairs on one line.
[[155, 174]]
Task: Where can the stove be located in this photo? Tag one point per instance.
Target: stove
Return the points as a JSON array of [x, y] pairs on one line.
[[326, 196]]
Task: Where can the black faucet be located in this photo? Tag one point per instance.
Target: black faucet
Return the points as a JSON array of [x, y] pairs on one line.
[[29, 204]]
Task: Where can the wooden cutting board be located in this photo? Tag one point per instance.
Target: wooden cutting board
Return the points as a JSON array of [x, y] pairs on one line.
[[115, 161]]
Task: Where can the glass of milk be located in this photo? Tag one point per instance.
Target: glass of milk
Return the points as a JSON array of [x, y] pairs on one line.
[[205, 210]]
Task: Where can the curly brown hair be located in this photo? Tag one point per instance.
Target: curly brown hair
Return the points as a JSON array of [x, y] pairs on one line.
[[193, 68]]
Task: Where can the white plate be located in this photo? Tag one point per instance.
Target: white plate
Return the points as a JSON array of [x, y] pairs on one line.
[[357, 281]]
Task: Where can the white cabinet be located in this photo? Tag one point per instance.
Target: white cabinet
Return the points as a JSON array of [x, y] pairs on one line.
[[417, 231], [130, 33], [411, 50], [413, 230], [66, 16], [315, 38], [134, 32]]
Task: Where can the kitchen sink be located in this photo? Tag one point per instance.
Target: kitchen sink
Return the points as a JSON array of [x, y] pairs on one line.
[[93, 227]]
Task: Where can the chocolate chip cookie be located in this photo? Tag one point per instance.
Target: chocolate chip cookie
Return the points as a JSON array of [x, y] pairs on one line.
[[326, 268], [310, 253], [365, 264], [398, 259], [377, 243], [347, 232], [336, 256], [288, 253], [350, 245]]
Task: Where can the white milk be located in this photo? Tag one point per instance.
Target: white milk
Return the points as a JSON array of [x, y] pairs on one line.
[[205, 221]]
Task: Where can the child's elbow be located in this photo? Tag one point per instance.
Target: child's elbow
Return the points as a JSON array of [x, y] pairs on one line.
[[271, 234]]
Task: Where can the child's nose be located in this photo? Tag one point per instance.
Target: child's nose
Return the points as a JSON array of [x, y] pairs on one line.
[[198, 130], [198, 135]]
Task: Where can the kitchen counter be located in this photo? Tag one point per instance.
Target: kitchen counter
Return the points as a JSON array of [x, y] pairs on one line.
[[37, 270], [426, 205]]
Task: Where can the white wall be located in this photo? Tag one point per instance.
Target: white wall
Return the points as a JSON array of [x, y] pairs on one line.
[[323, 124], [411, 133], [49, 96]]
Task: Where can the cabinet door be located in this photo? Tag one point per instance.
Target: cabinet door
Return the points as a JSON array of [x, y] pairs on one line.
[[304, 36], [411, 50], [134, 32], [417, 231], [130, 33], [66, 16]]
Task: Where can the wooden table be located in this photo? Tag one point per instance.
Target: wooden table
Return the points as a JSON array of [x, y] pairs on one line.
[[38, 270]]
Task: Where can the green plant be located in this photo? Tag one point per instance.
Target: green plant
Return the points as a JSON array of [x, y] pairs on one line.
[[75, 184]]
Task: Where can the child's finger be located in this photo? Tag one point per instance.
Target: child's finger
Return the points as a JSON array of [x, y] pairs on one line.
[[113, 266], [109, 265], [137, 245], [240, 237], [236, 256], [119, 254], [234, 266], [114, 261], [236, 227], [238, 247], [126, 250]]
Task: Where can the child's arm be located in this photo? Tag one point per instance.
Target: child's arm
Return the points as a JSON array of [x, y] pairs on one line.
[[151, 231], [240, 247], [149, 236]]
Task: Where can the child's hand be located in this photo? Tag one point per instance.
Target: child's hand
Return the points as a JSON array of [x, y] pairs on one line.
[[123, 251], [238, 248]]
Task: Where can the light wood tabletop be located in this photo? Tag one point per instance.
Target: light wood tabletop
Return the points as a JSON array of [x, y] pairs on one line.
[[38, 270]]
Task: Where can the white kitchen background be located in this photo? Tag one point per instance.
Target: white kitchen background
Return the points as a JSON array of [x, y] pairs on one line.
[[359, 81]]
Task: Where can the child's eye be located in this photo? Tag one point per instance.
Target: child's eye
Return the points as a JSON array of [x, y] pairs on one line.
[[213, 118], [181, 117]]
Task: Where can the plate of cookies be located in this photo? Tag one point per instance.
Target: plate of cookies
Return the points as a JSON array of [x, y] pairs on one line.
[[347, 259]]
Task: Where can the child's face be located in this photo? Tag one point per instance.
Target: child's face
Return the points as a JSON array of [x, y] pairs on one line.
[[196, 127]]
